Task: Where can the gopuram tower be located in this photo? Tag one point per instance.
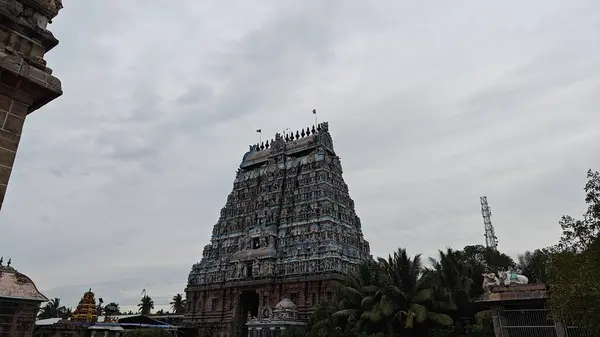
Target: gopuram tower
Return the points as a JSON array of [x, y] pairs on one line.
[[288, 231], [26, 84]]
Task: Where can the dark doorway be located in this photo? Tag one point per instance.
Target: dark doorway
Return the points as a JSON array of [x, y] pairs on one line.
[[249, 304]]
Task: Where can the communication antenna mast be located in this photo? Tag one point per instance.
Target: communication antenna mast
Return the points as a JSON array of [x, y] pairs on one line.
[[491, 241]]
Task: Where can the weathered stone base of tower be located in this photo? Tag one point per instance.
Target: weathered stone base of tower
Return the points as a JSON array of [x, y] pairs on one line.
[[26, 84], [222, 310]]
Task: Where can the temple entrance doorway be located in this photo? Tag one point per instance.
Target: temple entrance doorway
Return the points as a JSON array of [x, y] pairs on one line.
[[248, 304]]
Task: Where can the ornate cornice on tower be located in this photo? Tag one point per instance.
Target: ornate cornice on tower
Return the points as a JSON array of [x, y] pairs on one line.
[[289, 143]]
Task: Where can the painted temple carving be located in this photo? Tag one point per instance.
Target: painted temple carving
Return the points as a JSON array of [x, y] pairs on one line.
[[86, 311], [288, 229]]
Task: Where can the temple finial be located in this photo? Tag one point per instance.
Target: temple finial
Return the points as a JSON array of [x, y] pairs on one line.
[[9, 262]]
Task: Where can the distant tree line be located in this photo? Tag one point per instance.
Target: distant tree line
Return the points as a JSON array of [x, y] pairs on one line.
[[54, 308]]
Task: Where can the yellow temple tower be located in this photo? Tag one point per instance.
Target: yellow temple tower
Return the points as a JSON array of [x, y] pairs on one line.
[[86, 309]]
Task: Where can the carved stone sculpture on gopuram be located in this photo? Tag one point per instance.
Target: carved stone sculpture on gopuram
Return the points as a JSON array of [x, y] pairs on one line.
[[288, 230]]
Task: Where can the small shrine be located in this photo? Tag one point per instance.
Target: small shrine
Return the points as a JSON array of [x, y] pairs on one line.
[[86, 309], [19, 302], [272, 322]]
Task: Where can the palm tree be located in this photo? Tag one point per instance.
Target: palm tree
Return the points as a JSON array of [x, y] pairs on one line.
[[99, 307], [178, 304], [405, 298], [52, 309], [357, 296], [146, 305], [453, 276], [112, 309], [322, 322]]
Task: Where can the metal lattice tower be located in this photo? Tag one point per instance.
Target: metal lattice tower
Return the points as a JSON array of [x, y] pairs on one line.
[[491, 241]]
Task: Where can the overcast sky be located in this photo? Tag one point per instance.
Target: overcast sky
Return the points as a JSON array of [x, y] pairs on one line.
[[431, 105]]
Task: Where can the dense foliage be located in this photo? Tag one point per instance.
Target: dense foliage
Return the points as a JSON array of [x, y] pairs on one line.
[[575, 265], [399, 296], [53, 309]]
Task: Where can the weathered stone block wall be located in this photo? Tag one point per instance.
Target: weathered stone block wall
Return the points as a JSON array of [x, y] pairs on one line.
[[17, 318], [26, 83], [12, 118]]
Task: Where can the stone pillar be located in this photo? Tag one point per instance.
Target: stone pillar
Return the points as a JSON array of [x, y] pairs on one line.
[[496, 320], [26, 84], [561, 331]]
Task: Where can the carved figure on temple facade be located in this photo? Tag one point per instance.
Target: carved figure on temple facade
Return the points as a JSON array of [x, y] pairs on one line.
[[262, 241], [239, 270], [267, 268], [256, 267], [266, 312]]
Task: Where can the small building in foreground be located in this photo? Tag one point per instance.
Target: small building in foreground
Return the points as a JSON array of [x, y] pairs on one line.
[[272, 322], [19, 302], [521, 311], [114, 326]]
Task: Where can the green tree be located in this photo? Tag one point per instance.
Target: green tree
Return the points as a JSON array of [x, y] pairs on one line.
[[575, 265], [52, 309], [322, 323], [575, 298], [146, 305], [452, 274], [357, 296], [67, 313], [112, 309], [479, 260], [535, 265], [405, 299], [484, 326], [100, 307], [577, 235], [178, 304]]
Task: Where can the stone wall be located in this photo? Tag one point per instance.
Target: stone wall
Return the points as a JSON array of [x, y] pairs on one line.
[[17, 318], [26, 83]]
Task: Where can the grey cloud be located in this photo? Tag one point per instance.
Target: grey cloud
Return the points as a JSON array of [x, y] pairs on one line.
[[118, 183]]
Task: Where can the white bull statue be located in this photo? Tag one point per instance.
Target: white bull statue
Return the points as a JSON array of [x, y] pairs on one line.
[[508, 278], [489, 280], [504, 278]]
